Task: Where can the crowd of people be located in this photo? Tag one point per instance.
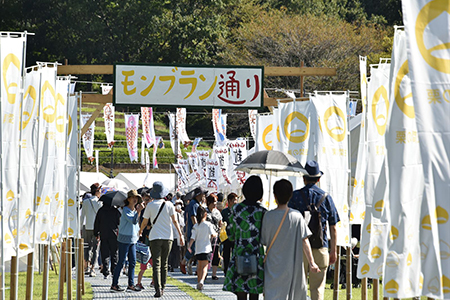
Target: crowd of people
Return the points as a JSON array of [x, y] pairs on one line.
[[260, 251]]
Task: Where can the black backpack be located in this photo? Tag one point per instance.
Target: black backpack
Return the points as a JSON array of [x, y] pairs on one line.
[[315, 224]]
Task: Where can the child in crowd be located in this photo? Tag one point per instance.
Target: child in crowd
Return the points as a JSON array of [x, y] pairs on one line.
[[202, 232]]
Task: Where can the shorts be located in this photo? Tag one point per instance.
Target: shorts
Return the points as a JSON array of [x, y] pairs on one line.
[[145, 266], [203, 256]]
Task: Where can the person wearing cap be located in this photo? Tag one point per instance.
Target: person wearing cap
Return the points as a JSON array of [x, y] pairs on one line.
[[245, 230], [89, 211], [199, 198], [325, 255], [127, 239], [175, 253], [161, 214]]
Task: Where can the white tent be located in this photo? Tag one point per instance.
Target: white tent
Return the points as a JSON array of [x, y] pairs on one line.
[[89, 178], [138, 180]]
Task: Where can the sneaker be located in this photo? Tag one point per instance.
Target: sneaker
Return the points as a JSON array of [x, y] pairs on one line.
[[157, 294], [183, 268], [189, 269], [215, 278], [105, 276], [199, 286], [133, 289], [116, 289], [140, 286], [92, 273]]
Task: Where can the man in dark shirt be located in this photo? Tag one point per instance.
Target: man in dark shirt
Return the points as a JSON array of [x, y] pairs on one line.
[[311, 194], [227, 244]]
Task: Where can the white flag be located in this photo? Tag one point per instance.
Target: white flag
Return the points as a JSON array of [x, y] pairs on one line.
[[148, 127], [181, 126], [238, 152], [108, 117], [265, 131], [203, 156], [73, 227], [252, 113], [174, 140], [131, 131], [88, 137], [427, 30], [212, 174], [219, 121], [332, 155]]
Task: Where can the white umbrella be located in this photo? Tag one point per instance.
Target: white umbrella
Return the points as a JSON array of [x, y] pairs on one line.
[[115, 183]]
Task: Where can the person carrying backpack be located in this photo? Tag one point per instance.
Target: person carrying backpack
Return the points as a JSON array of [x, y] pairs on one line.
[[318, 209]]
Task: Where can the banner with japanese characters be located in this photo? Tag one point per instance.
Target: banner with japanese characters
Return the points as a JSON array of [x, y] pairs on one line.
[[375, 229], [181, 127], [238, 152], [203, 156], [219, 122], [155, 149], [196, 143], [11, 62], [426, 26], [184, 163], [332, 155], [212, 175], [265, 131], [73, 228], [46, 156], [108, 118], [174, 139], [406, 182], [358, 205], [252, 113], [88, 137], [200, 86], [222, 156], [295, 130], [131, 132], [193, 162]]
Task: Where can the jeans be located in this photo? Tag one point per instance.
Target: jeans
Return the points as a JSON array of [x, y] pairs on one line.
[[160, 254], [124, 250]]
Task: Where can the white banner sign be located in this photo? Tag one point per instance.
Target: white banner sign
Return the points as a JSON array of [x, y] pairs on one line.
[[108, 117], [88, 137], [228, 87], [219, 122], [131, 131]]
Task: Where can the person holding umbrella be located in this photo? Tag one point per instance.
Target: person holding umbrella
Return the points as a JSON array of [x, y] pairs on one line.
[[106, 227], [127, 238]]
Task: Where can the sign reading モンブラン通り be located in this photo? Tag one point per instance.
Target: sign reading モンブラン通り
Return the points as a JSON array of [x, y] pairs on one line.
[[182, 86]]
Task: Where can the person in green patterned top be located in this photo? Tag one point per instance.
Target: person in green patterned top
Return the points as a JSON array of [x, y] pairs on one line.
[[245, 226]]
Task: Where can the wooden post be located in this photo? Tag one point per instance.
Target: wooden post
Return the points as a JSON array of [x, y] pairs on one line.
[[62, 274], [337, 267], [13, 279], [301, 81], [69, 269], [349, 272], [45, 275], [81, 264], [375, 289], [364, 289], [29, 288]]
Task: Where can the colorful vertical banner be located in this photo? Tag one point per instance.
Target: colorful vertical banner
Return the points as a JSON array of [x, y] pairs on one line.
[[193, 162], [375, 228], [108, 117], [219, 122], [181, 126], [46, 155], [212, 174], [148, 127], [406, 183], [88, 137], [265, 132], [332, 155], [426, 26], [222, 156], [195, 144], [73, 228], [252, 113], [184, 163], [174, 139], [131, 131], [155, 149], [11, 62], [358, 205]]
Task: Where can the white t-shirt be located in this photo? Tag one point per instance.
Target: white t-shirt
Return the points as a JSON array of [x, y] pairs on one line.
[[161, 230], [201, 233]]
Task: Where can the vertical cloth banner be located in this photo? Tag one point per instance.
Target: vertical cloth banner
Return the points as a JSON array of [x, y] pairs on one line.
[[238, 151], [426, 26], [174, 138], [148, 127], [88, 137], [155, 149], [108, 117], [212, 174], [332, 155], [358, 206], [265, 132], [28, 164], [46, 155], [184, 163], [181, 126], [406, 182], [58, 196], [11, 62], [252, 113], [376, 226], [203, 156], [219, 122], [73, 228], [222, 156], [131, 131], [195, 144]]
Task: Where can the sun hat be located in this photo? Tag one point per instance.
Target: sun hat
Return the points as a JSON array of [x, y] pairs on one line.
[[95, 187], [198, 190], [133, 193], [312, 167], [158, 190]]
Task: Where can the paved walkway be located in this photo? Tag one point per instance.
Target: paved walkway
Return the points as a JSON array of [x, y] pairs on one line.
[[212, 288]]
